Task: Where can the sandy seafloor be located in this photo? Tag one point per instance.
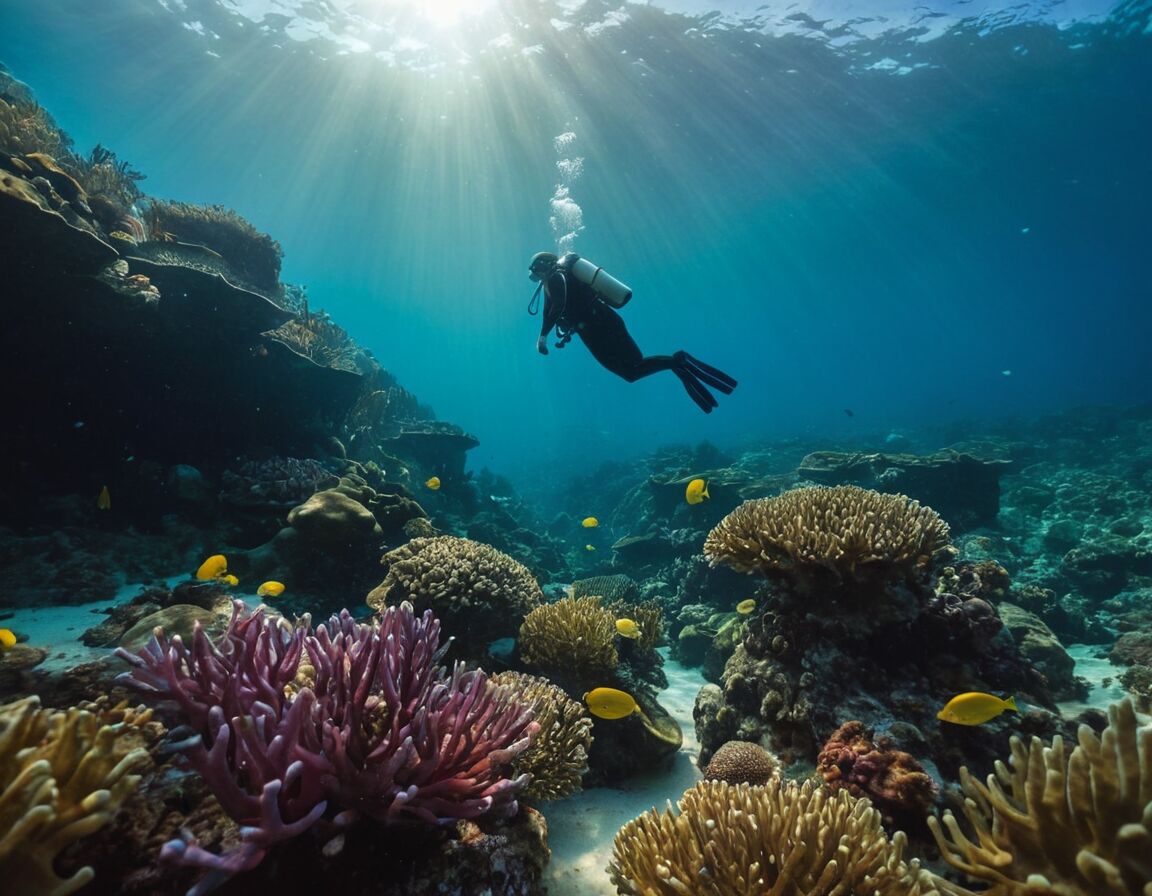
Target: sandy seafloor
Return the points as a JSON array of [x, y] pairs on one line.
[[580, 828]]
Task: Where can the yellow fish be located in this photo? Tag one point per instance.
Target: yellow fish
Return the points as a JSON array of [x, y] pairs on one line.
[[7, 638], [228, 579], [589, 547], [609, 703], [433, 482], [746, 606], [590, 522], [212, 568], [697, 491], [628, 628], [104, 500], [270, 589], [975, 708]]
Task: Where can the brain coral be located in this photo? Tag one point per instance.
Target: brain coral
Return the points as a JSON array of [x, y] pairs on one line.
[[740, 762], [558, 756], [849, 532], [478, 593], [774, 840]]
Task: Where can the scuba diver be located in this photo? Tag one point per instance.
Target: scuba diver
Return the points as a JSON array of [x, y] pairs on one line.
[[581, 298]]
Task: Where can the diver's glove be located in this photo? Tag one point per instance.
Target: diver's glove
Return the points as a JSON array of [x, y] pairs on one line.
[[542, 345]]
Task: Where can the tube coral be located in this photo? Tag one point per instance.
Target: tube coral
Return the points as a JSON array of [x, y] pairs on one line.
[[1065, 825], [368, 724]]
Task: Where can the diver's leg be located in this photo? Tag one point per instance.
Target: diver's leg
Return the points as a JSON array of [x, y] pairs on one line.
[[717, 379], [704, 399]]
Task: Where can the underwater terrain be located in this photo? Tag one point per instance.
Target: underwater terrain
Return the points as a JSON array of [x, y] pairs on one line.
[[270, 623]]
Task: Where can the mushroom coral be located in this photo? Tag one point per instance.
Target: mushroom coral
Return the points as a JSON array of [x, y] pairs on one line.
[[63, 776], [771, 840], [1076, 824]]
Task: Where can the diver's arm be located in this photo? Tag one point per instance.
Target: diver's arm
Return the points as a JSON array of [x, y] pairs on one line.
[[553, 308]]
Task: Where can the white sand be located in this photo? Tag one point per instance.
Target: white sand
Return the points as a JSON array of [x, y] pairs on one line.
[[581, 828]]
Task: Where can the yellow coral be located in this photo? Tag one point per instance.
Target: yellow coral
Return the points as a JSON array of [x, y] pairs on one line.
[[771, 840], [558, 756], [844, 529], [63, 775], [573, 638], [1061, 825]]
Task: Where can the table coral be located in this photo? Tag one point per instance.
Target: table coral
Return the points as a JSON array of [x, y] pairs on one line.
[[63, 776]]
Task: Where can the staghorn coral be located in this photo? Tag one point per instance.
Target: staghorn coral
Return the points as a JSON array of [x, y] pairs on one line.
[[842, 532], [478, 593], [1057, 824], [741, 762], [558, 756], [572, 639], [370, 725], [774, 840], [891, 779], [63, 776]]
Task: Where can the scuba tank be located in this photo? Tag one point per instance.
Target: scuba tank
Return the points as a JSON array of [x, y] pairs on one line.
[[607, 287]]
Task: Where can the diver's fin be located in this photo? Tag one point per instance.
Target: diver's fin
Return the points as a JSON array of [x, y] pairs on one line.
[[717, 379], [696, 391]]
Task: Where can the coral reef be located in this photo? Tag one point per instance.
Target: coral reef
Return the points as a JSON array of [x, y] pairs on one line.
[[368, 725], [773, 840], [740, 762], [558, 756], [63, 776], [477, 592], [1073, 824]]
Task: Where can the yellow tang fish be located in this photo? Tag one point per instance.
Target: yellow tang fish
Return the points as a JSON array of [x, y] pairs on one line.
[[590, 522], [697, 491], [7, 638], [212, 568], [228, 579], [746, 606], [270, 589], [104, 500], [975, 708], [609, 703], [589, 547], [433, 482], [628, 628]]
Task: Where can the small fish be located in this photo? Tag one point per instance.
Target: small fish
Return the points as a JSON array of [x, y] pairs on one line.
[[609, 703], [7, 638], [270, 589], [696, 492], [212, 568], [433, 482], [104, 500], [746, 606], [228, 579], [975, 708], [590, 522], [627, 628], [1005, 373], [589, 547], [849, 412]]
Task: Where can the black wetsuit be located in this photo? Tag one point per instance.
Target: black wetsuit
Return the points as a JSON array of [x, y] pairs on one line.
[[573, 307]]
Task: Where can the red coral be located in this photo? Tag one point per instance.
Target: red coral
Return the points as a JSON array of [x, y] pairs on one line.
[[893, 780]]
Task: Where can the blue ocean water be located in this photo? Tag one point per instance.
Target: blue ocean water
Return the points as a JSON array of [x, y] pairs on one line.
[[876, 216]]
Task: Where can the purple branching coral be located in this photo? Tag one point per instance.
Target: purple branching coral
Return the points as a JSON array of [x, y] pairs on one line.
[[283, 723]]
